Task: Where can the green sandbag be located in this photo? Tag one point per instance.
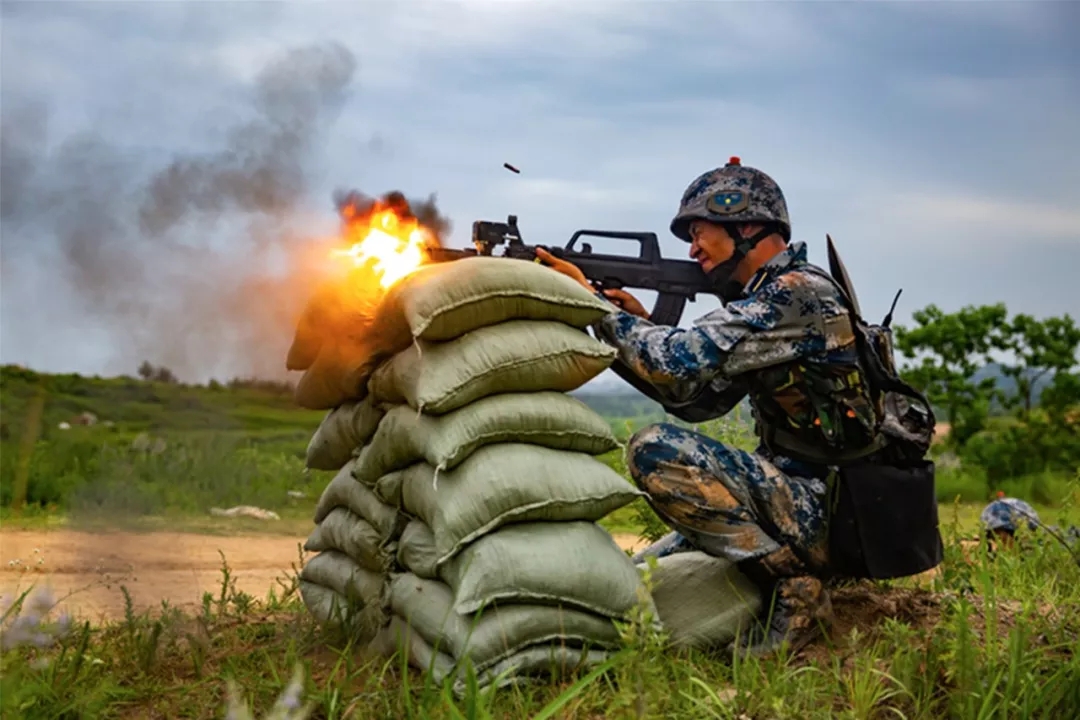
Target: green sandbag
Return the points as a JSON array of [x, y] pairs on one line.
[[346, 531], [388, 487], [506, 483], [550, 419], [343, 430], [542, 660], [416, 551], [444, 301], [575, 564], [515, 356], [345, 491], [333, 609], [497, 633], [340, 373], [702, 601], [326, 605], [336, 570]]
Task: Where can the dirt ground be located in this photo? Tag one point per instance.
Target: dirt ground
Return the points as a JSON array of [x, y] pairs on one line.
[[85, 570]]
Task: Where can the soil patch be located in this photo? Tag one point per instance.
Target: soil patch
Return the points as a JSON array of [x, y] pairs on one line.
[[87, 569]]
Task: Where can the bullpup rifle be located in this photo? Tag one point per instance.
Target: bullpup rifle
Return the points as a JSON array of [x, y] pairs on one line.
[[674, 281]]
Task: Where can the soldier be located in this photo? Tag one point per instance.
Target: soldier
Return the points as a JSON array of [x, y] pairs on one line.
[[1003, 517], [786, 337]]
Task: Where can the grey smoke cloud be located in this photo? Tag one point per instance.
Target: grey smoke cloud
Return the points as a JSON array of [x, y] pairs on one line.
[[203, 264]]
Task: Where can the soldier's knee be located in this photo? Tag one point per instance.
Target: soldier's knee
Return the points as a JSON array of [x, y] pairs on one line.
[[650, 446]]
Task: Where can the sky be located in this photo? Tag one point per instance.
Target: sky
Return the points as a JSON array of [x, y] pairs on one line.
[[166, 165]]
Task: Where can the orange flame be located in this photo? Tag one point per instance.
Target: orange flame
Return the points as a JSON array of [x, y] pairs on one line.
[[387, 241]]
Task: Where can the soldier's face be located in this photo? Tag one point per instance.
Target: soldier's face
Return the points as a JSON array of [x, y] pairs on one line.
[[710, 244]]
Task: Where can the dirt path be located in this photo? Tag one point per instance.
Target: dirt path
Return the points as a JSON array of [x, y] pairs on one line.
[[178, 567]]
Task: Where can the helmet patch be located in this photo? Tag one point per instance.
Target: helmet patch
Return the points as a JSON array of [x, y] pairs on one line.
[[728, 203]]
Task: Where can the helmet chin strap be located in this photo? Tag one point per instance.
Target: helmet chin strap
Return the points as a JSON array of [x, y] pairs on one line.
[[727, 287]]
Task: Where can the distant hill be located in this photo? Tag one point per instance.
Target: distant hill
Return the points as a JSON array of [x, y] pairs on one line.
[[1008, 384], [625, 404], [135, 405]]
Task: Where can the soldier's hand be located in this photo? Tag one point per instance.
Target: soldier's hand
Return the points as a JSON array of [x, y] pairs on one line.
[[568, 269], [626, 302]]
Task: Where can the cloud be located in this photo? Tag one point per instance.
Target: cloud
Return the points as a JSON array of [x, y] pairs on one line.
[[1003, 217], [919, 134]]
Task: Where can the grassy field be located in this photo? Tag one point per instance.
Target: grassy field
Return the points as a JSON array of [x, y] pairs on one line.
[[987, 637]]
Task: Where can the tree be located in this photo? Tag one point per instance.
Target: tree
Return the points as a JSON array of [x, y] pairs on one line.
[[950, 348], [1039, 347], [160, 374]]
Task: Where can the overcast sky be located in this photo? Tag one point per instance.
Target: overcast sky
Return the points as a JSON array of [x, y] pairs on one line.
[[936, 142]]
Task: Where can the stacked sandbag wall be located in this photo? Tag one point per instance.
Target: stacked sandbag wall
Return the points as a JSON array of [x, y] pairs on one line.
[[468, 491], [355, 532]]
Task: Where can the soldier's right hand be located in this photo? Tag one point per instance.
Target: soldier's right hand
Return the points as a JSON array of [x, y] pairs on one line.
[[626, 302]]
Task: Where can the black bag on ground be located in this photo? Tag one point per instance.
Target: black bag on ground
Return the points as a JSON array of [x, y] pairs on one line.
[[884, 520]]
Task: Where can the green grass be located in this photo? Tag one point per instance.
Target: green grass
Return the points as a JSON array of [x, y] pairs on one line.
[[996, 638]]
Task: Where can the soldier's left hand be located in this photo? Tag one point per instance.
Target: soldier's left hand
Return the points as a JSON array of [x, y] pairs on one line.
[[567, 268], [626, 302]]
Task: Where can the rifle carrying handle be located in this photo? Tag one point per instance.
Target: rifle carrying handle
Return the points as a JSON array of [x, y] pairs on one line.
[[650, 246]]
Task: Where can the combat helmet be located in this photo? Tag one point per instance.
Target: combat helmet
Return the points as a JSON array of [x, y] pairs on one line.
[[1006, 514], [734, 193]]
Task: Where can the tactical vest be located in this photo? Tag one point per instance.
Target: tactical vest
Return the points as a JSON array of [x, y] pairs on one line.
[[844, 410], [858, 417]]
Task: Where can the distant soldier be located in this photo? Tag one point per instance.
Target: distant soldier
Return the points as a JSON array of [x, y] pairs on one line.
[[1005, 515], [838, 485]]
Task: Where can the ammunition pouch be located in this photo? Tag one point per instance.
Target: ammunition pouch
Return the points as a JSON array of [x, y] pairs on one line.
[[883, 520], [822, 414]]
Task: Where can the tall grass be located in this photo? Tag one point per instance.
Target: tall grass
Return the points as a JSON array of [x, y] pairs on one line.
[[181, 474]]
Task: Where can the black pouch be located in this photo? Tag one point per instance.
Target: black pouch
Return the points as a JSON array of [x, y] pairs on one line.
[[884, 521]]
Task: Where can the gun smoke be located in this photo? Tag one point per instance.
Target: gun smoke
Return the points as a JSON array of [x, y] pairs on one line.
[[202, 265]]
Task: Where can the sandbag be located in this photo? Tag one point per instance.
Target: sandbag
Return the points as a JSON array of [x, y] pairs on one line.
[[416, 551], [340, 373], [551, 419], [574, 564], [345, 491], [497, 633], [326, 605], [446, 300], [336, 570], [702, 601], [344, 530], [343, 430], [398, 636], [510, 482], [388, 487], [538, 660], [515, 356]]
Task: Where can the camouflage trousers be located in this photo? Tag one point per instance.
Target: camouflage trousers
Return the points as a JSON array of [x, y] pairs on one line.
[[730, 503]]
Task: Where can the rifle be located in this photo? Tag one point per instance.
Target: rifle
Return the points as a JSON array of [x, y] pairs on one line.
[[674, 281]]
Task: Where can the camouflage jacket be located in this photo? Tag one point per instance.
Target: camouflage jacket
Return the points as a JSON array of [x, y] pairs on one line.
[[792, 315]]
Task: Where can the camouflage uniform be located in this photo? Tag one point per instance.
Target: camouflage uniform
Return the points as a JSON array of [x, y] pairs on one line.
[[728, 502], [785, 330]]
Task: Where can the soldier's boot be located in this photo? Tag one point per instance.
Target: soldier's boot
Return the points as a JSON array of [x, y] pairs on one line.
[[796, 608]]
